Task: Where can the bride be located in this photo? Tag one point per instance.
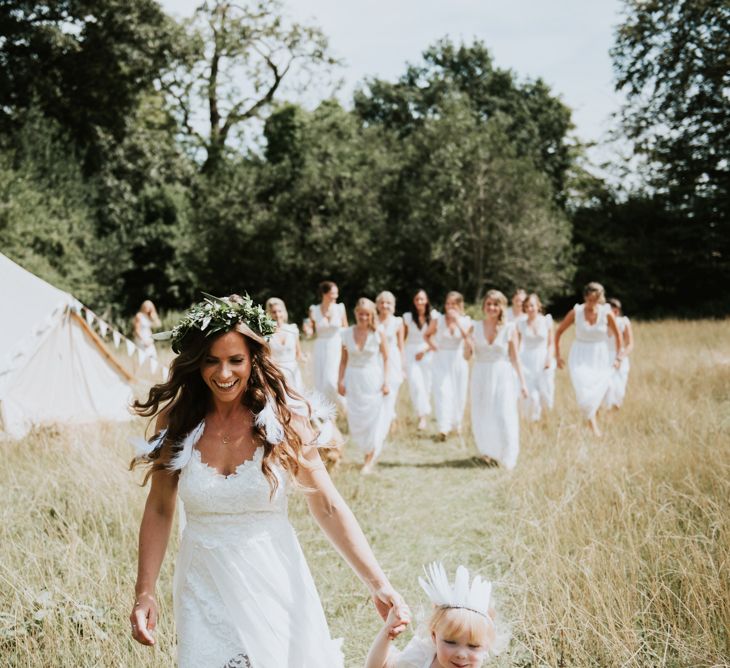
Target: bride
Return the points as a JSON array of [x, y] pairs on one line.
[[231, 440]]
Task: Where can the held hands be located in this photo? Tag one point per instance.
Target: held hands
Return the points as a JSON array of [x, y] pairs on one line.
[[144, 619], [393, 609]]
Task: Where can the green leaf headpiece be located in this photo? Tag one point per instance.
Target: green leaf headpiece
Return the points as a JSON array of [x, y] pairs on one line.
[[216, 314]]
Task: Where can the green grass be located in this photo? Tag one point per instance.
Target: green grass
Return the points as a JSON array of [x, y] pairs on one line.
[[610, 552]]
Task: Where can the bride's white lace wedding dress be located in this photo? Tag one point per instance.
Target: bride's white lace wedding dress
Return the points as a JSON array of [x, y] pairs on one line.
[[243, 592]]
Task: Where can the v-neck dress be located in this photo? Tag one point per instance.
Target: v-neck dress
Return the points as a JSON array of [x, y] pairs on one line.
[[283, 346], [327, 349], [450, 375], [418, 371], [495, 420], [540, 381]]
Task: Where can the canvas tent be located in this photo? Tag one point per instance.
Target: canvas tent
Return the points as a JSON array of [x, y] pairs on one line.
[[54, 368]]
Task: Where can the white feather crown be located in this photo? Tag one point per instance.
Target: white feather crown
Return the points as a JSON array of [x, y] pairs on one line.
[[474, 597]]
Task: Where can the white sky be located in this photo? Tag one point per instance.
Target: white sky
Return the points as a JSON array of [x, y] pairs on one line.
[[565, 42]]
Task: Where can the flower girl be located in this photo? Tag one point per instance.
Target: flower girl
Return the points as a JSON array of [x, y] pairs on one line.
[[460, 630]]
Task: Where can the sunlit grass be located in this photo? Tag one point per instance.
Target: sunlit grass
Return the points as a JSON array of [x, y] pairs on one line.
[[610, 552]]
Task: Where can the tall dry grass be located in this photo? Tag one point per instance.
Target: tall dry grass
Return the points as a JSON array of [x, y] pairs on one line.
[[610, 552]]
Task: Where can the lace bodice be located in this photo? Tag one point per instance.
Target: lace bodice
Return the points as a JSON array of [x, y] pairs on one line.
[[328, 327], [536, 335], [496, 351], [283, 344], [220, 509], [357, 357], [448, 340], [415, 333], [591, 333]]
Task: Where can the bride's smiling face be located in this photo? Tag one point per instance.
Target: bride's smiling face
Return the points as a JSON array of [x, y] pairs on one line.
[[227, 367]]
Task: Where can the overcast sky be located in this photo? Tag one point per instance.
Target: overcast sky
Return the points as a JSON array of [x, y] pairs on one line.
[[565, 42]]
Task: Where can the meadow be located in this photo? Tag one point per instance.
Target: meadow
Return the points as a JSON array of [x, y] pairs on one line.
[[604, 552]]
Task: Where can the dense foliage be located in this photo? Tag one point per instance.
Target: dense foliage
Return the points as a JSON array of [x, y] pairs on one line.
[[143, 158]]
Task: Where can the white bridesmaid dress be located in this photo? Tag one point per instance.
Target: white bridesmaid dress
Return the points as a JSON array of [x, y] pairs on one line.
[[418, 372], [450, 375], [389, 330], [243, 593], [540, 381], [619, 377], [368, 413], [494, 413], [588, 363], [283, 346], [328, 350]]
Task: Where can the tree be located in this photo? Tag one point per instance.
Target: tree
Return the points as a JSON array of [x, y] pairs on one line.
[[83, 63], [538, 121], [236, 59], [672, 58], [489, 213]]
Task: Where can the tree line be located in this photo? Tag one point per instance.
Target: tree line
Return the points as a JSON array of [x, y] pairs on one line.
[[142, 157]]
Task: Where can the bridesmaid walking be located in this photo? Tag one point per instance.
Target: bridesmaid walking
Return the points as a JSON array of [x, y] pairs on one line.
[[393, 331], [363, 379], [448, 337], [619, 377], [516, 311], [536, 355], [418, 355], [588, 362], [284, 343], [328, 320], [494, 414]]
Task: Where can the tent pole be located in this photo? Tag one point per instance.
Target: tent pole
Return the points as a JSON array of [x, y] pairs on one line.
[[102, 348]]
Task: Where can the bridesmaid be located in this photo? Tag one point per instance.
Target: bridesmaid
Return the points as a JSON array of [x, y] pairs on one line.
[[328, 320], [620, 376], [418, 355], [363, 379], [536, 355], [588, 363], [516, 311], [284, 343], [448, 337], [392, 329], [497, 369]]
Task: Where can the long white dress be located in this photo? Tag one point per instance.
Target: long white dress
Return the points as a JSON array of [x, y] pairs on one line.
[[328, 350], [540, 381], [389, 330], [283, 346], [368, 414], [588, 364], [619, 378], [450, 375], [143, 336], [418, 371], [243, 593], [495, 420]]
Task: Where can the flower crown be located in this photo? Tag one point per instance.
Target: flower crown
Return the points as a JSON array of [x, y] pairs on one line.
[[216, 314], [442, 594]]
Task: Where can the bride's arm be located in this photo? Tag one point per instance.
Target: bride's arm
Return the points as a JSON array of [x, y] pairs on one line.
[[342, 529]]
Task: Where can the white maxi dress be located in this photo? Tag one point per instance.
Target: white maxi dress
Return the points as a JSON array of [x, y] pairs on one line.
[[243, 593], [368, 414], [588, 364], [389, 330], [328, 350], [619, 377], [540, 381], [450, 375], [283, 346], [418, 372], [494, 413]]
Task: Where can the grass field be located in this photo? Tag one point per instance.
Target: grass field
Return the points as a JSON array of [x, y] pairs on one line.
[[610, 552]]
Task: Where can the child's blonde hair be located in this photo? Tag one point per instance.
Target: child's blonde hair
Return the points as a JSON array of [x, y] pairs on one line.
[[453, 622]]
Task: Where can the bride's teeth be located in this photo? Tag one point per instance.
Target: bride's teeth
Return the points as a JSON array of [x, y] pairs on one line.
[[225, 386]]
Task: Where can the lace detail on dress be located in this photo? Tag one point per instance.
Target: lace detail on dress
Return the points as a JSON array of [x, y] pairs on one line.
[[239, 661]]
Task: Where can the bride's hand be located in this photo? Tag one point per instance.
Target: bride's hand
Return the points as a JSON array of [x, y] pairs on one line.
[[386, 598], [144, 619]]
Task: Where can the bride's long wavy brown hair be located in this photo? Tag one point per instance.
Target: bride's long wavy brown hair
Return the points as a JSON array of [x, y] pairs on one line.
[[185, 399]]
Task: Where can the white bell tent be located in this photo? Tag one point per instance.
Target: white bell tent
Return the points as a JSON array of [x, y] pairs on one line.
[[54, 368]]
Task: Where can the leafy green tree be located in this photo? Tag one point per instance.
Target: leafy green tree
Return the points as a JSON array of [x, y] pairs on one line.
[[237, 56], [84, 63]]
